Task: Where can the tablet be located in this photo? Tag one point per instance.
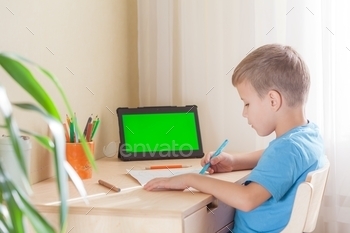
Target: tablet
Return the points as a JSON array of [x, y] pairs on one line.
[[159, 132]]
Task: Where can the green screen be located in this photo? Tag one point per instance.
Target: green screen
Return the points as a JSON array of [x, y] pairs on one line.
[[160, 132]]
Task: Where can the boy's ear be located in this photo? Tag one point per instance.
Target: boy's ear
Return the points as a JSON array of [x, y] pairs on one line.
[[275, 99]]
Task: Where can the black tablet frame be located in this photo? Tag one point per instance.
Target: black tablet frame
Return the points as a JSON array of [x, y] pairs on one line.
[[152, 155]]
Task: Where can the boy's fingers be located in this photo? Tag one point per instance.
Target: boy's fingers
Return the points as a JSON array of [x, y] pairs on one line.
[[210, 170], [206, 158], [216, 160], [154, 186], [213, 161]]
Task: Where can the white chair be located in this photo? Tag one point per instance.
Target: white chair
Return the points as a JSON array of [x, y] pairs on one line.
[[307, 202]]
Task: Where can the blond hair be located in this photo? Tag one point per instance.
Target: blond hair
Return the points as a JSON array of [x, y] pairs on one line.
[[275, 67]]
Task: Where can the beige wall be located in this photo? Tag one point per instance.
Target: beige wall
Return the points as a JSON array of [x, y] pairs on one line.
[[90, 46]]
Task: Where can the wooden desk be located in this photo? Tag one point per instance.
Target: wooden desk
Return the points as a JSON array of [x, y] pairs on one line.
[[134, 209]]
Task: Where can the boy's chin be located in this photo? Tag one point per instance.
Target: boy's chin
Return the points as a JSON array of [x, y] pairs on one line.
[[262, 134]]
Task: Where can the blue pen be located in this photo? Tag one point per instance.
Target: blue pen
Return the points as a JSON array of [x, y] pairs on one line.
[[217, 152]]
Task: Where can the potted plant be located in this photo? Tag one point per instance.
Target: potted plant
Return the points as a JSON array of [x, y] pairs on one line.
[[15, 205]]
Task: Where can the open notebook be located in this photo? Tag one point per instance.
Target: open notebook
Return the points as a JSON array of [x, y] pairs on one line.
[[159, 132], [143, 176]]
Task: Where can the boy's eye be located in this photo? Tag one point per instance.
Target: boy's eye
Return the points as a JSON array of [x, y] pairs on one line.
[[246, 105]]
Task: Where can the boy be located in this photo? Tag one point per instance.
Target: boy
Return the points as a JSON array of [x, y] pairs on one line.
[[273, 82]]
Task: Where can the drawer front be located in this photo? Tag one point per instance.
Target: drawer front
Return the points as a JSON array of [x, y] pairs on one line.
[[210, 219], [121, 224]]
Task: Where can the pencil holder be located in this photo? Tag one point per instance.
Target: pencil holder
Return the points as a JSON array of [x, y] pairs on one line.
[[76, 157]]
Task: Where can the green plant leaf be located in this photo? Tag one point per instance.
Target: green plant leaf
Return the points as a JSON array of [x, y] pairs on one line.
[[38, 222], [25, 79], [77, 181], [17, 203], [43, 140], [22, 75], [6, 110], [5, 221], [59, 140], [64, 97], [60, 89], [85, 145], [15, 213], [48, 143]]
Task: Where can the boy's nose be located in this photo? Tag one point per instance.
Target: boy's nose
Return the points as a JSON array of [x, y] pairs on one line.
[[244, 113]]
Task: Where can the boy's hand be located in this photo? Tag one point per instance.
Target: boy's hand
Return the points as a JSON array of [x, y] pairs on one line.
[[166, 183], [221, 163]]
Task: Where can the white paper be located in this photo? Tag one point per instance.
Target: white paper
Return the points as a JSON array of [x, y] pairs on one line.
[[143, 176]]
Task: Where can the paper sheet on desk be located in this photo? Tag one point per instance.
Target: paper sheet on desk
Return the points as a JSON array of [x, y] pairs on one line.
[[143, 176]]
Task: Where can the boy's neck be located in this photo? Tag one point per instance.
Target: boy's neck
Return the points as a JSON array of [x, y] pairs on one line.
[[290, 118]]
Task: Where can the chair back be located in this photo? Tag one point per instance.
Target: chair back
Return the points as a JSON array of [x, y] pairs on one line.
[[307, 201]]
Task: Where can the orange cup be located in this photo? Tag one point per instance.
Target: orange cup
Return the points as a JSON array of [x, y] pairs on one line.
[[76, 157]]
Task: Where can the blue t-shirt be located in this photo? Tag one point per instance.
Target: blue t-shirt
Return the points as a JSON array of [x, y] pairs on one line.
[[284, 164]]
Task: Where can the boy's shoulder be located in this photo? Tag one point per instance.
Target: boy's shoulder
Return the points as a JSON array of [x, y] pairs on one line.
[[309, 131], [299, 144]]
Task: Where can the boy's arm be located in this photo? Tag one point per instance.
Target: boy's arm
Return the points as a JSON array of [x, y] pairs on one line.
[[242, 197]]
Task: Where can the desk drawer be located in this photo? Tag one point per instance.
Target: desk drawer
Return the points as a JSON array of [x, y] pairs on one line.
[[210, 219]]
